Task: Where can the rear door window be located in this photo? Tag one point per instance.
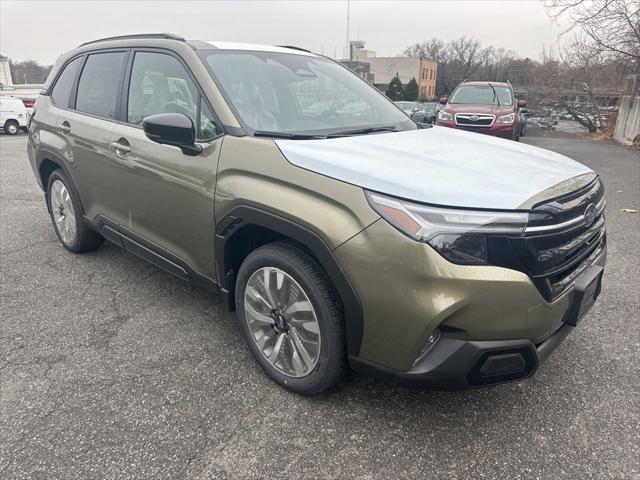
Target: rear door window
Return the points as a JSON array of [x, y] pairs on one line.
[[99, 84], [62, 89]]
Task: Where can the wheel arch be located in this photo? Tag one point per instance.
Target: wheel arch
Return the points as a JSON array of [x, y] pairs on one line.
[[46, 163], [245, 228]]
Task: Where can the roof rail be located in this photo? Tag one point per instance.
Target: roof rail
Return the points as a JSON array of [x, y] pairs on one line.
[[168, 36], [295, 48]]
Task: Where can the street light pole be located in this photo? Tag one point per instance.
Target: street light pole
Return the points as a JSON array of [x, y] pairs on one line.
[[348, 46]]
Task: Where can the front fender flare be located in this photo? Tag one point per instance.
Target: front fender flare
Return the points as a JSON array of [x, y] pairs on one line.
[[244, 215]]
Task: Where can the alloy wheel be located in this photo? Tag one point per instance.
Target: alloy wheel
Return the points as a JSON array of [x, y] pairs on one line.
[[282, 321], [63, 213]]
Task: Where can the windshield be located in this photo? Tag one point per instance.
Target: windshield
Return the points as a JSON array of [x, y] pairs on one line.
[[482, 95], [300, 94]]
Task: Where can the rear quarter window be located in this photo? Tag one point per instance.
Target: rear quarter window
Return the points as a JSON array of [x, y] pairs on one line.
[[62, 89], [99, 84]]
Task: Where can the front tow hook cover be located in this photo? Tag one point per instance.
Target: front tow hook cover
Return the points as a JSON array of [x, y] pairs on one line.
[[506, 364]]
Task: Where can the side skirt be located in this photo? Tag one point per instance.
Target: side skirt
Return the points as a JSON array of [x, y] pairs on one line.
[[148, 251]]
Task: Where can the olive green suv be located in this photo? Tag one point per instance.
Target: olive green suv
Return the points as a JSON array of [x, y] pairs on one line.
[[343, 234]]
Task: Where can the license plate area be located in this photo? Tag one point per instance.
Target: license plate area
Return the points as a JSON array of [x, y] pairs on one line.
[[585, 293]]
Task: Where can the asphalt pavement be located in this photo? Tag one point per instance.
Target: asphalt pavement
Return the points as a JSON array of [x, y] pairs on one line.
[[111, 368]]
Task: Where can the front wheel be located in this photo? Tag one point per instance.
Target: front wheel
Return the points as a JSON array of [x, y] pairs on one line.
[[11, 127], [291, 319]]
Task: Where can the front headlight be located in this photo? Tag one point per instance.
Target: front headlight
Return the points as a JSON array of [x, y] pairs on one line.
[[507, 118], [446, 116], [458, 235]]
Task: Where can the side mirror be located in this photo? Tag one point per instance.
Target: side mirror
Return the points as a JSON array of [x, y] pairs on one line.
[[173, 129], [444, 100], [522, 103], [524, 111]]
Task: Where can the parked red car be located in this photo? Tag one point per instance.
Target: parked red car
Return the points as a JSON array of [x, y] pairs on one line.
[[484, 107]]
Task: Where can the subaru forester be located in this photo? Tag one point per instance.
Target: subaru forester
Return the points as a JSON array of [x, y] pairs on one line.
[[344, 235]]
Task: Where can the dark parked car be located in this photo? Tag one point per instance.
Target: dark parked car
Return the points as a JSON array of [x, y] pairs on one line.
[[414, 109], [431, 110]]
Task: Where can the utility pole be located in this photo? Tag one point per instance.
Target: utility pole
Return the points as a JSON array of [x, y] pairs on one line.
[[348, 46]]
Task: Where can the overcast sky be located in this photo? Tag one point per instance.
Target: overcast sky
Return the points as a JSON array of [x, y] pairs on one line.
[[41, 30]]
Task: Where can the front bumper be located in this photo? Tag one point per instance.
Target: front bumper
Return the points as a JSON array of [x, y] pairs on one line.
[[506, 131], [459, 364], [408, 290]]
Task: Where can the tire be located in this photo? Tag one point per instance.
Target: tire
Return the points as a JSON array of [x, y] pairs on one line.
[[324, 364], [66, 213], [11, 127]]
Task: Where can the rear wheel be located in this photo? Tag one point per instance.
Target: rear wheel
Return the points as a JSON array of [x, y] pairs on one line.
[[11, 127], [66, 214], [291, 319]]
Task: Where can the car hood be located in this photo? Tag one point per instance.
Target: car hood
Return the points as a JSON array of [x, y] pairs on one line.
[[438, 165]]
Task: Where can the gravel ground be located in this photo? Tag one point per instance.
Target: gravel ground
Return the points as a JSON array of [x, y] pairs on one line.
[[110, 368]]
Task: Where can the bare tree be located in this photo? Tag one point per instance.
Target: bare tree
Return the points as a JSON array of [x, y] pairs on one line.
[[612, 27], [470, 55], [566, 81], [434, 49], [457, 59], [606, 34], [28, 71]]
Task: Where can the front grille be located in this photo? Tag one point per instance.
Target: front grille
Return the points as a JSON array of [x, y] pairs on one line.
[[474, 119], [560, 242]]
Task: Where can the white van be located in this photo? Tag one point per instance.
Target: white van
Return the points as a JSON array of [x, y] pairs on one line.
[[13, 114]]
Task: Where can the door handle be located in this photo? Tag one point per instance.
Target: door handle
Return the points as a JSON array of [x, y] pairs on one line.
[[64, 127], [121, 147]]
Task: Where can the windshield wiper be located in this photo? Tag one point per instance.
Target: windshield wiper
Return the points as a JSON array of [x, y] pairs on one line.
[[495, 95], [289, 136], [363, 131]]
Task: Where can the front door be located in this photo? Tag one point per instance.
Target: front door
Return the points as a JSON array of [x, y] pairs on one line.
[[165, 196]]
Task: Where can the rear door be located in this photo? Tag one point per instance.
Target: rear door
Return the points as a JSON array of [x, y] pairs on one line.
[[86, 127], [164, 196]]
